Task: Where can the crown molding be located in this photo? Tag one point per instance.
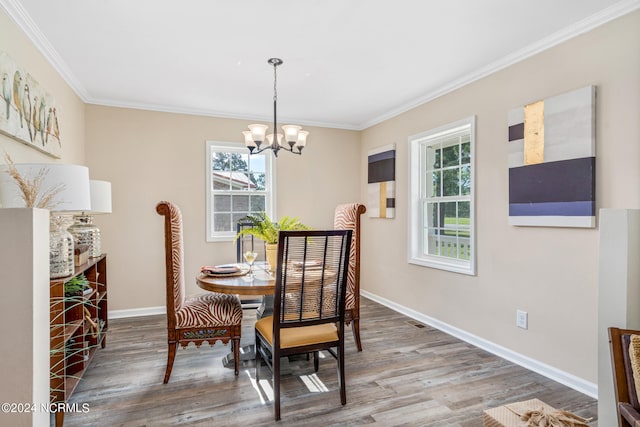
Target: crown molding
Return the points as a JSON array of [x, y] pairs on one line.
[[19, 15], [216, 114], [22, 19], [606, 15]]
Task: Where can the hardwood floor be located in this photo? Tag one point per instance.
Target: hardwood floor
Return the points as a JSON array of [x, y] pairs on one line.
[[407, 374]]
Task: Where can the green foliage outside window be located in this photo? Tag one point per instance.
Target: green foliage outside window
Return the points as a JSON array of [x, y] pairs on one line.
[[236, 162]]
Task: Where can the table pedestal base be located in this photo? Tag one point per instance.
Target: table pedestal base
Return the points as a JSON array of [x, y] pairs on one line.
[[248, 354], [266, 307]]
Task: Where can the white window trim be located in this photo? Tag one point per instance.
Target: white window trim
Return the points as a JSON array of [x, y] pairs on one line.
[[415, 253], [270, 202]]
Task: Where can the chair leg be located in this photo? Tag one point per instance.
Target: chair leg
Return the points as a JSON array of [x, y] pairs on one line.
[[257, 358], [355, 328], [316, 360], [276, 384], [341, 378], [235, 342], [170, 358], [59, 418]]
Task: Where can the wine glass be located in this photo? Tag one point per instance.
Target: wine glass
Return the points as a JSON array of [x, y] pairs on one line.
[[250, 257]]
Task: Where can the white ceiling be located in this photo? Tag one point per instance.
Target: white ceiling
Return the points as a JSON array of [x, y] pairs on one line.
[[347, 63]]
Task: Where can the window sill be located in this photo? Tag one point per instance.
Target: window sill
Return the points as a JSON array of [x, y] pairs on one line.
[[452, 266], [212, 239]]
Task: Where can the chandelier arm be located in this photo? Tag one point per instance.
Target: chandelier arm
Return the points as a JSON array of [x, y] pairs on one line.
[[264, 147], [267, 147], [282, 147]]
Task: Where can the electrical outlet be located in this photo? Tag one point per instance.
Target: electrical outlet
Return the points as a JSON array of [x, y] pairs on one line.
[[522, 319]]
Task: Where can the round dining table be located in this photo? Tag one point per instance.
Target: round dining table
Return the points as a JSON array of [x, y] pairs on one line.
[[259, 282]]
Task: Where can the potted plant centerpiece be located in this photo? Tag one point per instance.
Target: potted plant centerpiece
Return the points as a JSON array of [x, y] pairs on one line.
[[264, 228]]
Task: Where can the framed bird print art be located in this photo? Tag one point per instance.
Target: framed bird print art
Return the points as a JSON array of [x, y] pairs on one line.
[[28, 112]]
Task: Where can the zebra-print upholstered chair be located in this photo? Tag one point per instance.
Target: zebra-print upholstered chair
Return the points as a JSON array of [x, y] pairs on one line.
[[206, 317], [627, 399], [347, 217]]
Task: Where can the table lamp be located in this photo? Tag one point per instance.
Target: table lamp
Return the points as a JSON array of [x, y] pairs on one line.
[[64, 188], [83, 230]]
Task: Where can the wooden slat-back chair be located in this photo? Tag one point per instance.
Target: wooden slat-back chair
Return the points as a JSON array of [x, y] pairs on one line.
[[347, 217], [206, 317], [308, 313]]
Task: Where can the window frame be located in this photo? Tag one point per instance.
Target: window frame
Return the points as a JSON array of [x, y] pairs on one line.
[[270, 186], [417, 252]]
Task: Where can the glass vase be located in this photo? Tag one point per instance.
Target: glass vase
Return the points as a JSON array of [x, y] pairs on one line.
[[84, 232], [60, 249]]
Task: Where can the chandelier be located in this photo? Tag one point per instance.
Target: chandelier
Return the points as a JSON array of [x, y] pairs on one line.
[[295, 138]]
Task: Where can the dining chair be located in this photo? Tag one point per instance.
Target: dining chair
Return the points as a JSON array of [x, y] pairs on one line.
[[627, 403], [308, 313], [202, 318], [347, 217]]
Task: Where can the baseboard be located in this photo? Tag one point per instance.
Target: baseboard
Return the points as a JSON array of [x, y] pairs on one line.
[[570, 380], [137, 312]]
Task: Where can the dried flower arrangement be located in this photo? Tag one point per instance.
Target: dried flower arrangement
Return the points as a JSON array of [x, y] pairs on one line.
[[30, 188]]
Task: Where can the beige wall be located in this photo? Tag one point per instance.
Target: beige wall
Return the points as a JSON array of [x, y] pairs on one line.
[[152, 156], [549, 272], [27, 379], [70, 107]]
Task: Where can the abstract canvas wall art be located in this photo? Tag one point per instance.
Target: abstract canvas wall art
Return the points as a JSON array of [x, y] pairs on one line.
[[382, 182], [28, 112], [552, 161]]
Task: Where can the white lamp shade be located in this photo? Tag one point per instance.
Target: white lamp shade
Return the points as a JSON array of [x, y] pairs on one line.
[[73, 181], [258, 131], [270, 139], [100, 196], [248, 139], [291, 133], [302, 138]]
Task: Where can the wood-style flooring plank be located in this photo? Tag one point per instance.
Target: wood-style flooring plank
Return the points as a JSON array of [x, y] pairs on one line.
[[407, 375]]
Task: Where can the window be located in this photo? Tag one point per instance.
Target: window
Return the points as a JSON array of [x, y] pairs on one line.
[[237, 185], [441, 211]]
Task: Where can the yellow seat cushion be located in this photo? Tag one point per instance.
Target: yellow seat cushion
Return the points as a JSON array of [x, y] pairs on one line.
[[298, 337]]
